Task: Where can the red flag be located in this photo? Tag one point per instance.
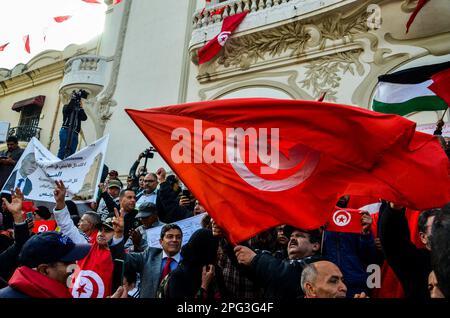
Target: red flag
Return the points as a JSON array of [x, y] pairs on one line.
[[26, 39], [345, 221], [325, 151], [93, 276], [214, 46], [419, 7], [441, 84], [217, 11], [62, 18], [44, 226], [92, 1], [116, 2], [2, 47]]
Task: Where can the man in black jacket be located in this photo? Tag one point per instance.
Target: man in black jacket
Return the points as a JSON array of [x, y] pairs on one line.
[[410, 264], [68, 109], [281, 278]]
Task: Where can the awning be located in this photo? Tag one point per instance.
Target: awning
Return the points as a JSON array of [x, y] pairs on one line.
[[34, 101]]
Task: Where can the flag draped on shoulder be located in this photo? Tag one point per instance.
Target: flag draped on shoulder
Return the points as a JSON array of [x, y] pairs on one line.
[[257, 163], [93, 276], [410, 91], [213, 47]]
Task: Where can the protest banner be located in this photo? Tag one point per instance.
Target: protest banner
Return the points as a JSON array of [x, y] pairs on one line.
[[37, 169], [188, 226]]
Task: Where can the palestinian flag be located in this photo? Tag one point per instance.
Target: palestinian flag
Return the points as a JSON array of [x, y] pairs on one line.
[[409, 90]]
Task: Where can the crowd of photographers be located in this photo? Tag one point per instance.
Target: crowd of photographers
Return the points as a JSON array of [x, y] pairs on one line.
[[399, 253]]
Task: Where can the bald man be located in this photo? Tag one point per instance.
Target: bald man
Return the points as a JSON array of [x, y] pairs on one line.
[[323, 279]]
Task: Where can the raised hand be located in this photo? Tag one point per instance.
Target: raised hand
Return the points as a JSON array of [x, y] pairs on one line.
[[161, 174], [118, 223], [136, 238], [208, 273], [244, 255], [15, 207], [60, 195], [366, 222]]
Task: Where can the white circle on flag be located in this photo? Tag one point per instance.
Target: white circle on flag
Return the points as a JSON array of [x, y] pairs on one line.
[[88, 285], [341, 218], [223, 37], [305, 158], [42, 228]]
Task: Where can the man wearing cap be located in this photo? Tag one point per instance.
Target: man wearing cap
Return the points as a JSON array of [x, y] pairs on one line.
[[149, 218], [109, 198], [45, 258], [281, 278]]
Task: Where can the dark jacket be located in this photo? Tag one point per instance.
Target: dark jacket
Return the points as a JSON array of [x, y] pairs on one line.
[[186, 279], [167, 203], [9, 292], [280, 279], [352, 253], [9, 258], [410, 264], [67, 111], [147, 264]]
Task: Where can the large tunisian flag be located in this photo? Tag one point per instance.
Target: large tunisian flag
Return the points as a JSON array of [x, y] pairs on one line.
[[325, 151]]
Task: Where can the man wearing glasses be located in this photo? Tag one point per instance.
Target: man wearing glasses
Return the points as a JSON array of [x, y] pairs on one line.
[[149, 193]]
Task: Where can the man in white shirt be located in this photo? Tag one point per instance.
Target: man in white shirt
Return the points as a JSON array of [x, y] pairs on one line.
[[149, 193]]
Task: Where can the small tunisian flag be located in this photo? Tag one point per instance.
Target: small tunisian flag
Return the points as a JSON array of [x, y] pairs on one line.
[[441, 85], [214, 46], [44, 226], [318, 152], [345, 221], [62, 18], [26, 40], [2, 47], [93, 276]]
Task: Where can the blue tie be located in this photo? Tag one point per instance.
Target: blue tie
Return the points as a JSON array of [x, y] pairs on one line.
[[21, 180]]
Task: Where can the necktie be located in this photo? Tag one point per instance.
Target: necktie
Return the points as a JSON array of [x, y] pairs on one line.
[[166, 269], [21, 180]]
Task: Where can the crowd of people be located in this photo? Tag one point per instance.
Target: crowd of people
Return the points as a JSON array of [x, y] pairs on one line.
[[411, 249]]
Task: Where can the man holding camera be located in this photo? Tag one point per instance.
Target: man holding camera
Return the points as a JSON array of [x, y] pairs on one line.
[[73, 115]]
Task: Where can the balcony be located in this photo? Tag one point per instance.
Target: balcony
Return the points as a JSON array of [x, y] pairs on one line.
[[25, 133], [86, 72]]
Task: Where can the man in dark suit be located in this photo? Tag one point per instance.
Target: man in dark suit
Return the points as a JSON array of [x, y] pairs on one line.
[[19, 178], [153, 264]]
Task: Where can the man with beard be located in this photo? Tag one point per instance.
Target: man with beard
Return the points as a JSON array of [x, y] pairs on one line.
[[280, 278]]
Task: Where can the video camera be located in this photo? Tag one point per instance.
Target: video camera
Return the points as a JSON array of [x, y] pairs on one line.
[[78, 95], [149, 152]]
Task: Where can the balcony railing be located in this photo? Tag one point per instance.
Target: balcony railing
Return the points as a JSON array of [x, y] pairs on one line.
[[25, 133], [207, 22]]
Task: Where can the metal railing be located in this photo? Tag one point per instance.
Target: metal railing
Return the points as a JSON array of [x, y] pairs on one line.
[[25, 133]]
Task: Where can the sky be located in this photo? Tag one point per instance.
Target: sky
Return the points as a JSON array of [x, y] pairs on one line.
[[35, 17]]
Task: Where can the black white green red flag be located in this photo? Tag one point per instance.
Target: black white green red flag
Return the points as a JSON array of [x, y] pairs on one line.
[[411, 90]]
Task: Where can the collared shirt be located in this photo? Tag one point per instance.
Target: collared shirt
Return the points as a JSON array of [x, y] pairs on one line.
[[175, 261], [18, 178], [151, 197]]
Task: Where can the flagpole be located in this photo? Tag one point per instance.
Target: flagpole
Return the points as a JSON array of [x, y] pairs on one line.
[[445, 111]]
